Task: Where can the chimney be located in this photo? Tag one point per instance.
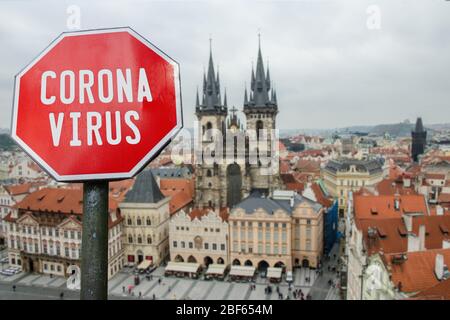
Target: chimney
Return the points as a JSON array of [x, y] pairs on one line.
[[406, 182], [407, 219], [396, 203], [292, 202], [422, 235], [439, 266], [413, 243]]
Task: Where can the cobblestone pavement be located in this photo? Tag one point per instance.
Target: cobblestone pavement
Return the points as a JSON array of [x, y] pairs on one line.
[[121, 286]]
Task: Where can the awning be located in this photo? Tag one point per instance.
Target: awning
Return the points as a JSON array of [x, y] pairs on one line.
[[182, 267], [242, 271], [216, 269], [144, 264], [274, 273]]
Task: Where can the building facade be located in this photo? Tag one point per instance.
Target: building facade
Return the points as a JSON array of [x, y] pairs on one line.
[[283, 231], [146, 221], [44, 232], [349, 175], [200, 236]]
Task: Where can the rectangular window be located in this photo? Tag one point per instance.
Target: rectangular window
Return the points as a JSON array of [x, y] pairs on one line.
[[174, 244], [235, 246], [297, 244], [206, 245], [214, 246], [284, 249], [191, 245], [275, 249], [66, 251], [222, 247], [308, 245], [267, 248], [260, 248], [183, 245]]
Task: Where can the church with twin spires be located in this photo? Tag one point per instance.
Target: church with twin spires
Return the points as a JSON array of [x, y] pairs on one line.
[[225, 181]]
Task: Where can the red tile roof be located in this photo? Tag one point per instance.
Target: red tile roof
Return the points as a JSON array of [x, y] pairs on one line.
[[181, 192], [18, 189], [320, 196], [435, 176], [63, 200], [393, 186], [200, 212], [416, 273], [393, 236], [382, 206], [440, 291]]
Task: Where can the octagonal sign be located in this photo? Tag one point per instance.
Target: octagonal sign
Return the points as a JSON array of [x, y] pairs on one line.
[[97, 104]]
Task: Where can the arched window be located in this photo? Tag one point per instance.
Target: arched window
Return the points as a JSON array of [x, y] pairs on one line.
[[139, 239], [130, 239], [208, 173], [139, 221], [149, 222], [129, 221], [149, 239], [208, 133], [259, 126]]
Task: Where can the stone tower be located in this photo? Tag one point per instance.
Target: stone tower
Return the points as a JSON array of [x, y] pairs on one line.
[[220, 181], [261, 109], [419, 140]]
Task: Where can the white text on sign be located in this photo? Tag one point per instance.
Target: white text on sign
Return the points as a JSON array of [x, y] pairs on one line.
[[112, 87]]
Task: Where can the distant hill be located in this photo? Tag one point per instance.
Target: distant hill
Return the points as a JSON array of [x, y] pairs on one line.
[[398, 129], [6, 143]]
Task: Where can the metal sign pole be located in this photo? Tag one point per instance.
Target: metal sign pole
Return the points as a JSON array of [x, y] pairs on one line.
[[94, 247]]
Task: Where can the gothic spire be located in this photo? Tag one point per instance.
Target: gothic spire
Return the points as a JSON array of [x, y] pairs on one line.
[[197, 100], [225, 98], [260, 82], [211, 85], [245, 96], [419, 125]]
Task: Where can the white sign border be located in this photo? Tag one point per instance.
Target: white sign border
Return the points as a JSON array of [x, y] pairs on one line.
[[100, 176]]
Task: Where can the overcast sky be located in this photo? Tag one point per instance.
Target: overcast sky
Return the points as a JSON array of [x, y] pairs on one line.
[[329, 68]]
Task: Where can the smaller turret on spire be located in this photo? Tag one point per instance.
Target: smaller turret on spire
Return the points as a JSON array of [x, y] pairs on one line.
[[225, 98], [197, 100]]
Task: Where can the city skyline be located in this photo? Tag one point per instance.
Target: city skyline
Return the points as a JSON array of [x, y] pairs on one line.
[[327, 66]]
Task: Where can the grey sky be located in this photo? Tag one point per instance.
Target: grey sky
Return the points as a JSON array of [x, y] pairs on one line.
[[329, 69]]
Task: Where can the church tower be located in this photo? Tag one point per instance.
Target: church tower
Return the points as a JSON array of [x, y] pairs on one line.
[[261, 108], [419, 140], [211, 114]]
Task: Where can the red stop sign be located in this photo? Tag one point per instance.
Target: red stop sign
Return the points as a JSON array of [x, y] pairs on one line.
[[97, 105]]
